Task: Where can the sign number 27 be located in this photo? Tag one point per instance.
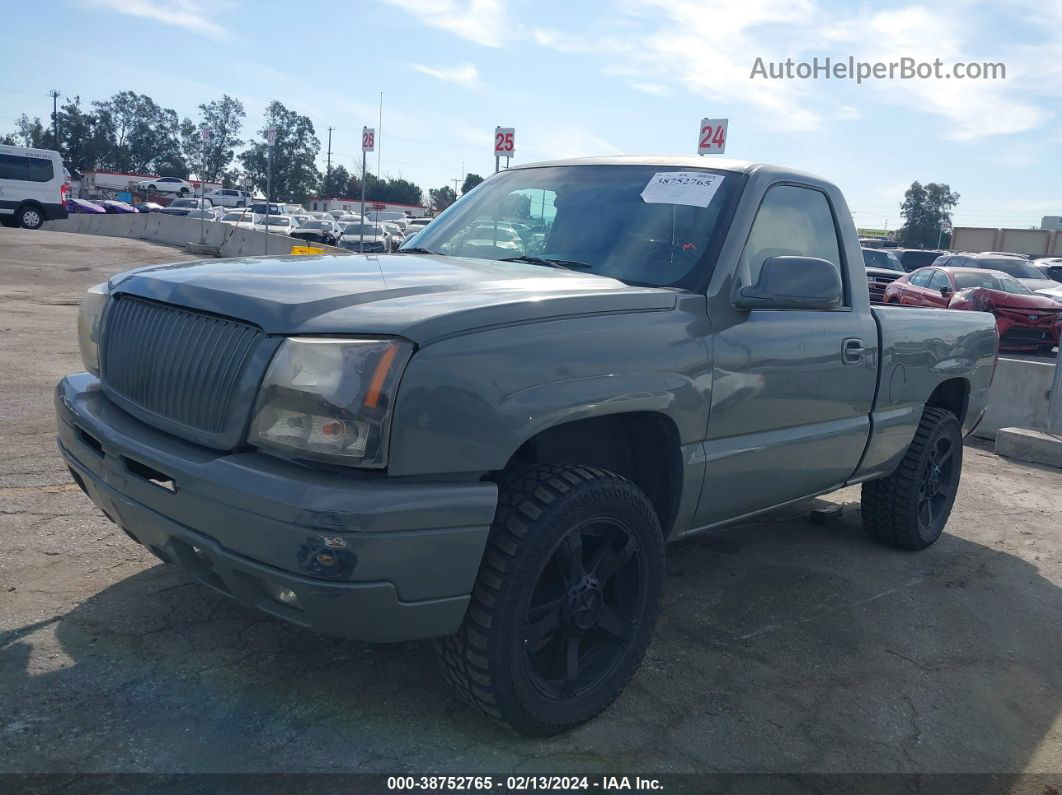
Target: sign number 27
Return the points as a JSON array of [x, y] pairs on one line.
[[712, 137]]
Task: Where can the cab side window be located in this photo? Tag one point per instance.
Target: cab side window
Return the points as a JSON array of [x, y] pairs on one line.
[[792, 221], [921, 279]]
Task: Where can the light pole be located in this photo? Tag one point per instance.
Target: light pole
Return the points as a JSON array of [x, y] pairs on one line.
[[271, 138], [368, 143], [204, 134]]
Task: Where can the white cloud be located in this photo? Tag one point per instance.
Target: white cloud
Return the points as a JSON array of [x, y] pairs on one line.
[[481, 21], [192, 15], [657, 89], [466, 75]]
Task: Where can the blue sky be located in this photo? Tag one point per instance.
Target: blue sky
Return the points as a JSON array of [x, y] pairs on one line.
[[632, 76]]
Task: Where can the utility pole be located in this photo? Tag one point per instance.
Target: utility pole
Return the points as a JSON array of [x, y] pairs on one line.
[[54, 94], [456, 183], [379, 129], [328, 168]]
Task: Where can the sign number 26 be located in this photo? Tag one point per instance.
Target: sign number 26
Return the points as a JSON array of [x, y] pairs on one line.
[[712, 137], [368, 139]]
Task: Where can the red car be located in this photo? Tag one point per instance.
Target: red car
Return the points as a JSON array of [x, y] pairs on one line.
[[1026, 321]]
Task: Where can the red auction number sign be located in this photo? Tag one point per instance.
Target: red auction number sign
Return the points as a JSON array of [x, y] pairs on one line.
[[368, 139], [504, 141], [712, 137]]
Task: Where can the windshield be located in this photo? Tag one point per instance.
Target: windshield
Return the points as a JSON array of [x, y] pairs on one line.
[[913, 260], [233, 217], [876, 258], [361, 229], [183, 203], [313, 225], [965, 281], [649, 225], [276, 220], [1012, 267]]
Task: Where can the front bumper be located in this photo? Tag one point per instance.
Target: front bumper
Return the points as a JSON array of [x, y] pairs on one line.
[[375, 559]]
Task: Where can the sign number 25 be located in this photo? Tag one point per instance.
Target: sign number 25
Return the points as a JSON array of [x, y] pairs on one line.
[[712, 137], [504, 141]]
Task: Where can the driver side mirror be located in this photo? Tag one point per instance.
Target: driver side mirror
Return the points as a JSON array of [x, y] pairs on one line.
[[793, 283]]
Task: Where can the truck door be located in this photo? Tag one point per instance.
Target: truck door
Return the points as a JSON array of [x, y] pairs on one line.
[[792, 390]]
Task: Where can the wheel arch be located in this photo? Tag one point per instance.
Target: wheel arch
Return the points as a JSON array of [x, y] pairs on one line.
[[951, 395], [641, 446]]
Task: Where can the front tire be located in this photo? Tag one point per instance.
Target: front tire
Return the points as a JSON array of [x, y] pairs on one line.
[[565, 601], [910, 507]]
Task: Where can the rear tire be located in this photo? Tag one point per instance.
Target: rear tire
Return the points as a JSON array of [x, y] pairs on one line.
[[565, 601], [910, 507], [29, 216]]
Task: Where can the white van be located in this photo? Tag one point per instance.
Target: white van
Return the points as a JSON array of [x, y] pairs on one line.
[[33, 186]]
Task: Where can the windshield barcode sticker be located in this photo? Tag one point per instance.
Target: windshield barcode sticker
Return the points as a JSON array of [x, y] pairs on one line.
[[694, 188]]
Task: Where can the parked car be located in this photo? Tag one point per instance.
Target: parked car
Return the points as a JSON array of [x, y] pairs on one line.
[[166, 185], [115, 206], [229, 197], [149, 207], [276, 224], [368, 238], [206, 213], [882, 270], [266, 208], [313, 231], [1025, 320], [1051, 266], [416, 224], [914, 258], [242, 218], [390, 216], [493, 453], [186, 206], [1013, 265], [300, 218], [33, 186], [398, 237], [487, 240], [347, 218], [84, 206], [294, 209]]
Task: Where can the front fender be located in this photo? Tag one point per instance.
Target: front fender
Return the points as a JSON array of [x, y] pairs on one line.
[[467, 403]]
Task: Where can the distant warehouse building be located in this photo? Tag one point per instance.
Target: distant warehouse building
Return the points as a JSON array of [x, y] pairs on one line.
[[354, 206], [1052, 222]]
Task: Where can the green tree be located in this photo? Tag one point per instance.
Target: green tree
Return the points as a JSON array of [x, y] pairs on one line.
[[471, 180], [925, 210], [31, 133], [82, 141], [441, 198], [143, 136], [223, 120], [295, 174], [337, 183]]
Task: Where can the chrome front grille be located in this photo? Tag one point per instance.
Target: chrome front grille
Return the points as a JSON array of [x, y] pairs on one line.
[[178, 365]]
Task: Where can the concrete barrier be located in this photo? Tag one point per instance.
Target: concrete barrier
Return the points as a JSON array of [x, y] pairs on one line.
[[176, 230], [1019, 398]]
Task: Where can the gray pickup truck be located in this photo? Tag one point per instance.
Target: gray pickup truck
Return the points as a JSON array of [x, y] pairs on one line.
[[488, 437]]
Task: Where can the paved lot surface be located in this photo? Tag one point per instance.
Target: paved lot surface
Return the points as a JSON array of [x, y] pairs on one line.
[[783, 646]]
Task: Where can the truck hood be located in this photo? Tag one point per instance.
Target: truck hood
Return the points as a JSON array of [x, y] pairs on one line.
[[417, 297]]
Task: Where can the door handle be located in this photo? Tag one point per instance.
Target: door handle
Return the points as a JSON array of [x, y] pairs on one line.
[[852, 351]]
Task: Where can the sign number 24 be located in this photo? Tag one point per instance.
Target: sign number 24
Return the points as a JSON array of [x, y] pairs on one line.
[[712, 137]]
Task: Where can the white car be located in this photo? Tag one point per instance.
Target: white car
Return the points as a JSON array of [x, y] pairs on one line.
[[242, 219], [33, 186], [277, 224], [166, 185], [229, 197]]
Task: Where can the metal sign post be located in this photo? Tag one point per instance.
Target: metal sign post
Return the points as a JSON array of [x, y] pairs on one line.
[[368, 143], [271, 138]]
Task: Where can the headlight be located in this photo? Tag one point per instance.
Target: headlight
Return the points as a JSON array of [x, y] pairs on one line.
[[330, 399], [88, 326]]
